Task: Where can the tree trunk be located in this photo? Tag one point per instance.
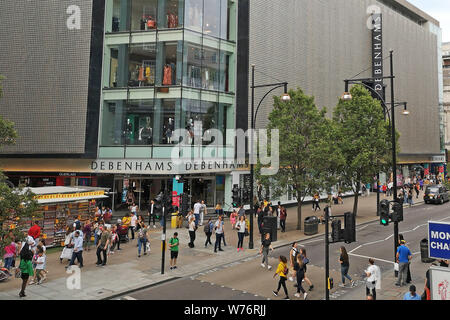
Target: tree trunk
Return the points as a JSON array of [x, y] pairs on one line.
[[355, 204], [299, 215]]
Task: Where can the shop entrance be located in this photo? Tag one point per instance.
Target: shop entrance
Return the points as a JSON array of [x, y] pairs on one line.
[[201, 188]]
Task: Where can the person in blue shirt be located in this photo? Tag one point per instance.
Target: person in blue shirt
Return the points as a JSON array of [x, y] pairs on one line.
[[411, 295], [403, 257], [77, 249]]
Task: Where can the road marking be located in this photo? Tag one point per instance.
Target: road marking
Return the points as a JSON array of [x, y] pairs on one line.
[[357, 255], [355, 248], [128, 298]]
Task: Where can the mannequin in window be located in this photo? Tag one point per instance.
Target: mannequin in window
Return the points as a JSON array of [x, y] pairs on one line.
[[145, 132], [129, 132], [169, 130], [167, 79]]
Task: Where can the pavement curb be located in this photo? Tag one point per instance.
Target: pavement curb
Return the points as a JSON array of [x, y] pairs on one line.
[[128, 291]]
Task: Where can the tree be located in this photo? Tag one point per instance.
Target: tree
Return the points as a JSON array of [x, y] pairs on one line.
[[18, 204], [307, 151], [363, 138]]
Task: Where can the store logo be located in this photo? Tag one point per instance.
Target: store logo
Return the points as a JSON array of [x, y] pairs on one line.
[[73, 282], [372, 11], [74, 20]]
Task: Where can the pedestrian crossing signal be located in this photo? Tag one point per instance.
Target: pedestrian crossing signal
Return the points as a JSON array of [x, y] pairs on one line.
[[384, 212]]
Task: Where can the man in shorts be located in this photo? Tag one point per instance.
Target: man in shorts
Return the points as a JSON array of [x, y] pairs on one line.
[[173, 246]]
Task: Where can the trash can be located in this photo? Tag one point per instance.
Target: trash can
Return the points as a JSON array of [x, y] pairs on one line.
[[424, 252], [270, 226], [174, 220], [311, 225]]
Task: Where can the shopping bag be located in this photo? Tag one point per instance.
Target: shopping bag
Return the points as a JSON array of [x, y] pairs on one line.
[[396, 268], [148, 247], [66, 253]]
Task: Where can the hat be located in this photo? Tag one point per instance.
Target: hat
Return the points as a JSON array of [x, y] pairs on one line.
[[403, 241]]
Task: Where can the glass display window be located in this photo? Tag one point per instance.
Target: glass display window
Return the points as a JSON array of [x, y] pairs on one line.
[[170, 62], [194, 15], [113, 121], [144, 15], [142, 65], [164, 123], [173, 14], [192, 67], [139, 122], [212, 16], [210, 69], [200, 116]]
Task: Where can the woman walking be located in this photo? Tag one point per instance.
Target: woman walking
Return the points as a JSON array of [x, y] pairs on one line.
[[68, 250], [142, 239], [87, 233], [208, 228], [26, 267], [305, 262], [241, 227], [192, 232], [292, 259], [299, 268], [266, 245], [345, 265], [282, 271]]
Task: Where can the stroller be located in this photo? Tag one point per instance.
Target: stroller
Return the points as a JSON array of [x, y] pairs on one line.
[[4, 274], [122, 232]]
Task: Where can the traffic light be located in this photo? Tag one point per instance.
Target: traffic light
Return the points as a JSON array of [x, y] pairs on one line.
[[384, 212], [184, 203], [397, 214], [245, 195], [349, 227], [236, 197], [336, 230]]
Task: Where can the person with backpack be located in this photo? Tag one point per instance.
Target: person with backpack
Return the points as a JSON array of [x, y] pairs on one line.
[[142, 239], [173, 246], [282, 271], [299, 268], [207, 229]]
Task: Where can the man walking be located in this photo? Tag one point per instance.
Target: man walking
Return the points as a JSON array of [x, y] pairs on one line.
[[373, 280], [203, 211], [77, 249], [241, 211], [197, 207], [102, 247], [283, 216], [403, 257], [218, 227], [151, 213]]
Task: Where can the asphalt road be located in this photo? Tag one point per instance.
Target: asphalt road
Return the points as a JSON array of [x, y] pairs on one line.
[[248, 281]]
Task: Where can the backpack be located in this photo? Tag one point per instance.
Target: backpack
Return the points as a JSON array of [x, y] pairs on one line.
[[207, 228]]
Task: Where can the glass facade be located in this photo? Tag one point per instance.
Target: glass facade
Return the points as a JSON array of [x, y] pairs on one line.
[[168, 64]]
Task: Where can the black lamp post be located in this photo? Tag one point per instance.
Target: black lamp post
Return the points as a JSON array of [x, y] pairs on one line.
[[286, 97], [347, 96]]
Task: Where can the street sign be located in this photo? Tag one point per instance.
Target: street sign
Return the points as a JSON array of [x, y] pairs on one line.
[[440, 283], [439, 240]]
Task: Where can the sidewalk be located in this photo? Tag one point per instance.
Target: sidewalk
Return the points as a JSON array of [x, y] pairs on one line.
[[126, 272]]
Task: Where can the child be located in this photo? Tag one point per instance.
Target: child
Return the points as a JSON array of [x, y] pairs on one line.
[[173, 246], [10, 253], [39, 261], [233, 217], [282, 270]]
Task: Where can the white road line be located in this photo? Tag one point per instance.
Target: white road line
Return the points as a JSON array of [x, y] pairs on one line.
[[355, 249], [129, 298], [357, 255]]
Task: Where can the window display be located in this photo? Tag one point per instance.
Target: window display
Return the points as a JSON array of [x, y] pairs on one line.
[[194, 15], [142, 65], [144, 15]]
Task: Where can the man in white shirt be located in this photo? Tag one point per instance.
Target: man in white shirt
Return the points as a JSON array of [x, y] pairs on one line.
[[77, 248], [373, 281], [151, 213], [218, 227], [202, 212], [197, 207]]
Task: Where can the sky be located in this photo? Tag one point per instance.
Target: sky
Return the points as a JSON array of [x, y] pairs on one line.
[[438, 9]]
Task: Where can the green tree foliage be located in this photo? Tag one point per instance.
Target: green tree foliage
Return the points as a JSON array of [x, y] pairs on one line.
[[308, 153], [363, 138], [16, 204]]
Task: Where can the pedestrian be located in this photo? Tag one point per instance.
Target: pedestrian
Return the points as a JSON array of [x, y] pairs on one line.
[[260, 214], [142, 238], [283, 216], [114, 239], [40, 273], [87, 233], [345, 265], [241, 227], [179, 220], [126, 221], [107, 216], [208, 228], [68, 247], [233, 219], [102, 246], [26, 267], [408, 275], [282, 271], [278, 211], [219, 210], [173, 246], [403, 257], [218, 228], [203, 212], [373, 279], [77, 249], [411, 295], [417, 188], [133, 224], [305, 262], [10, 253], [410, 197], [266, 246], [293, 253], [35, 232], [151, 213], [197, 207], [241, 211], [299, 268], [192, 227], [421, 184]]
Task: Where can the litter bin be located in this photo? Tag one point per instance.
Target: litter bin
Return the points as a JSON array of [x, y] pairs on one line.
[[270, 226], [311, 225], [424, 252]]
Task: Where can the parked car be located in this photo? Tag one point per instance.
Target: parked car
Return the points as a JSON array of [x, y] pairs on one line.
[[436, 194]]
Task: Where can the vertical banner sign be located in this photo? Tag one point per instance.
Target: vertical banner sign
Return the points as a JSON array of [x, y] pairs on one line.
[[377, 53]]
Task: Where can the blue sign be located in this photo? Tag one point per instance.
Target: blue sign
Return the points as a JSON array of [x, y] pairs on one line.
[[439, 240]]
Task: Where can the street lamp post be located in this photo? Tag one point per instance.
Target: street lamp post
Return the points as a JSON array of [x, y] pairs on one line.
[[253, 120], [347, 96]]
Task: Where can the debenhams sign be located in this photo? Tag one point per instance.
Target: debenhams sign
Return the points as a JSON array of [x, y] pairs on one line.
[[140, 166]]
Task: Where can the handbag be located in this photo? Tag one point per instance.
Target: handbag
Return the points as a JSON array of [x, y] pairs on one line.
[[66, 253], [246, 233]]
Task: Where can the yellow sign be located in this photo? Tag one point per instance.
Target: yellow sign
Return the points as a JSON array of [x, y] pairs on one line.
[[70, 195]]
